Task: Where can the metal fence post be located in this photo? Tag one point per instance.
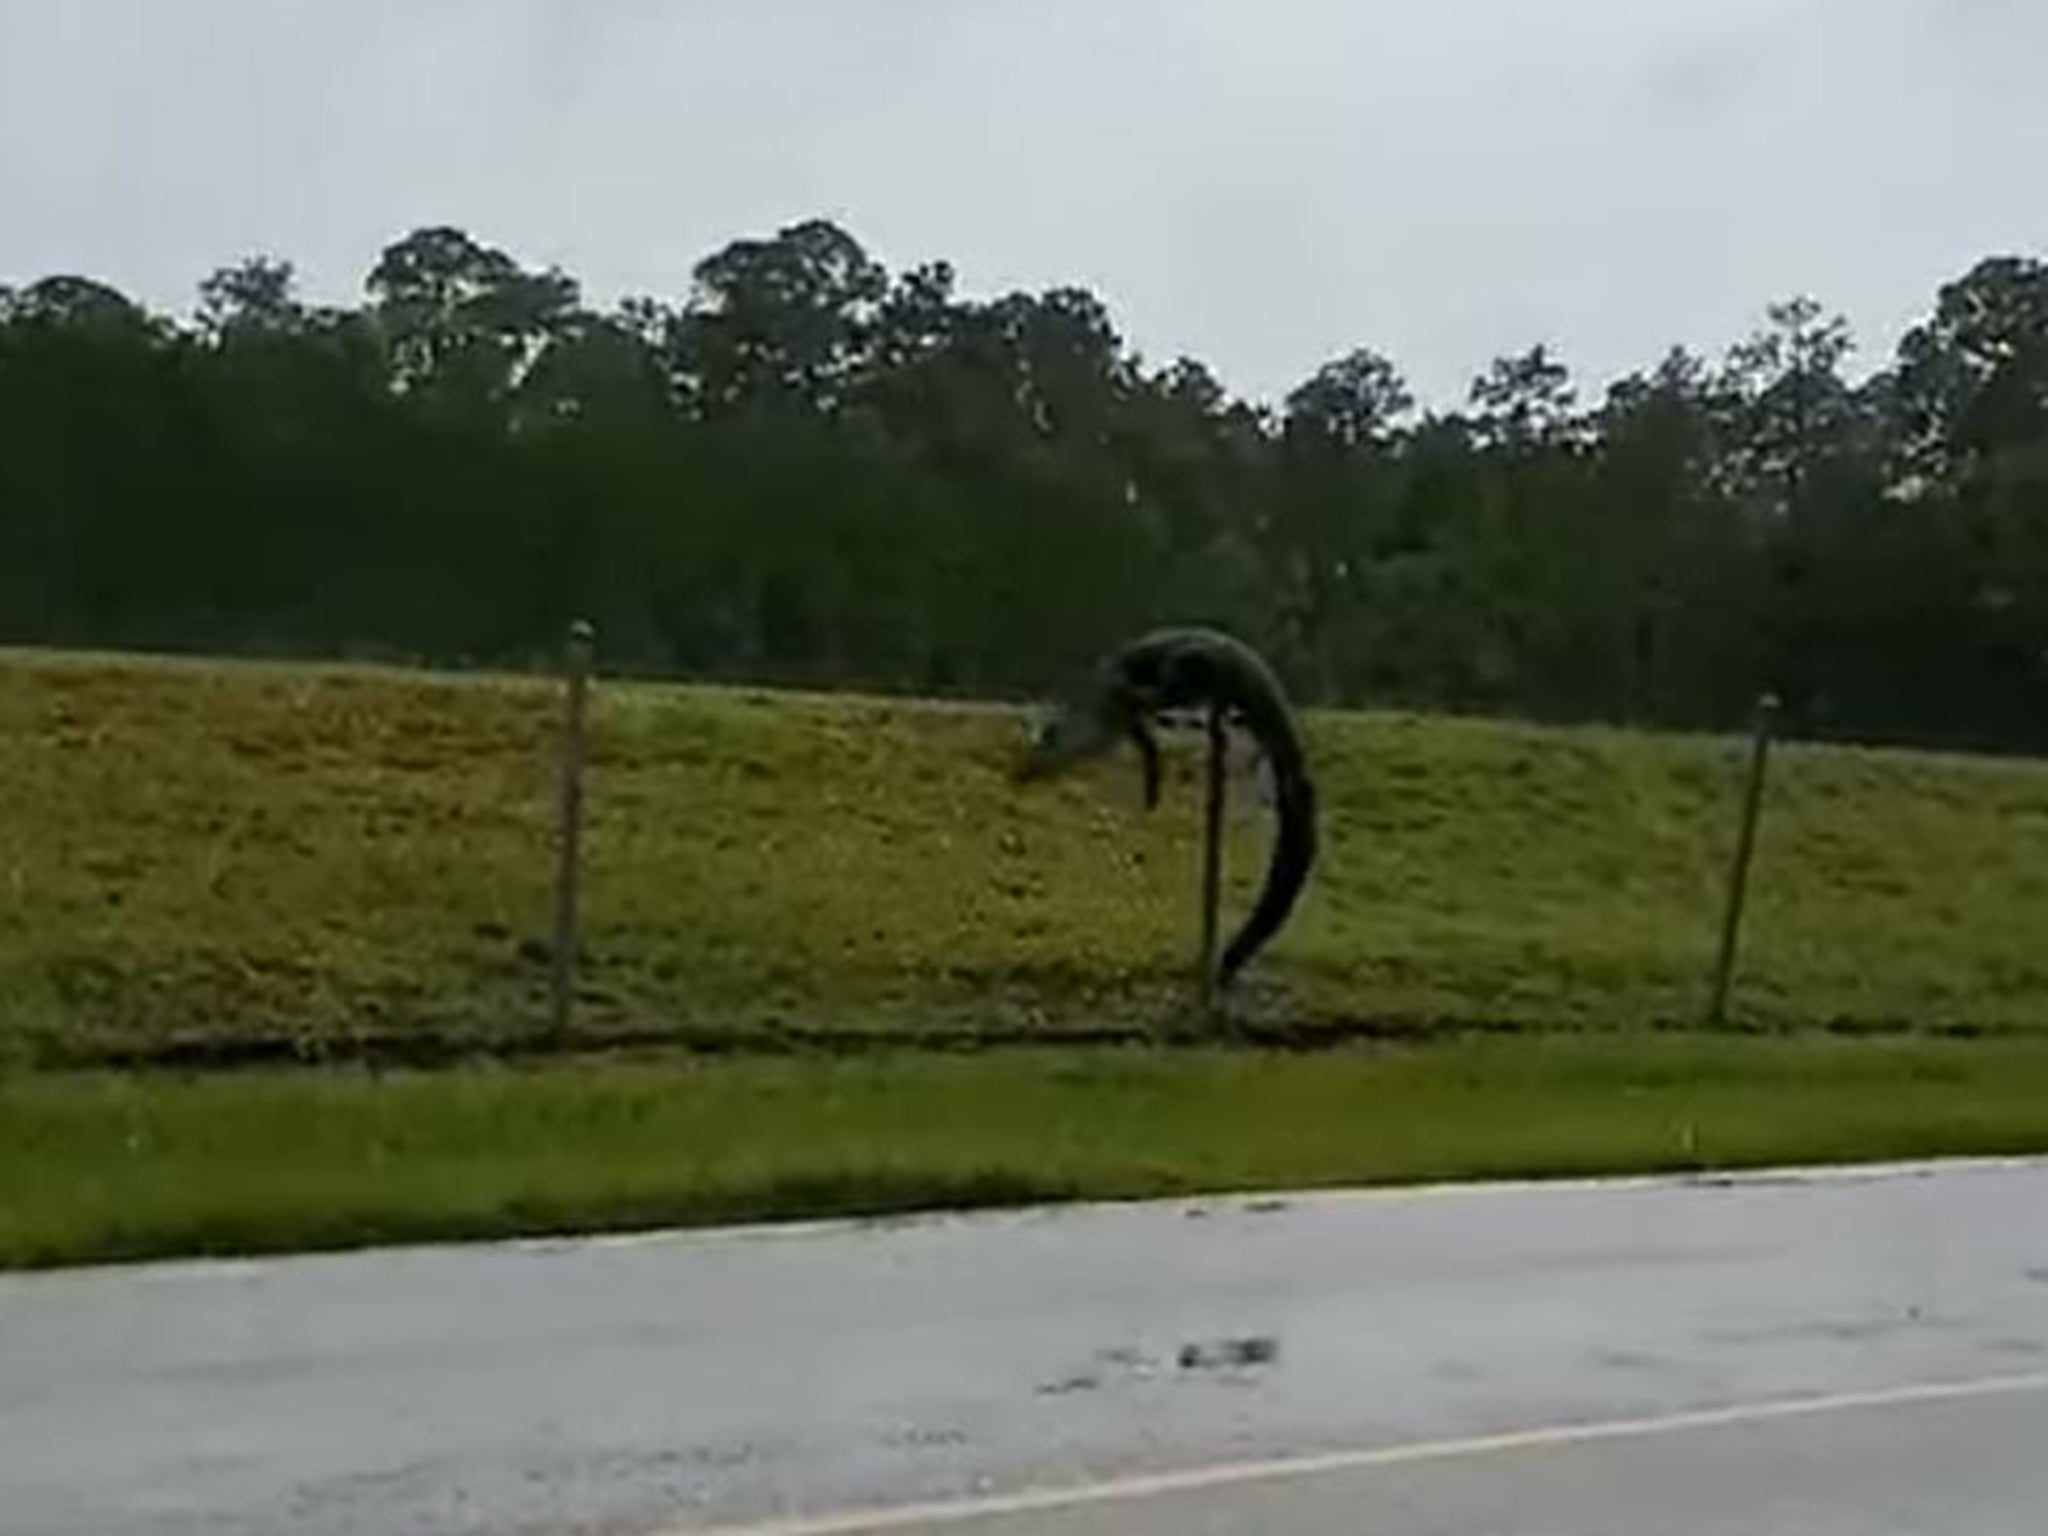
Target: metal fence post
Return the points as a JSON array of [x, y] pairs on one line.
[[1745, 847], [569, 832], [1212, 859]]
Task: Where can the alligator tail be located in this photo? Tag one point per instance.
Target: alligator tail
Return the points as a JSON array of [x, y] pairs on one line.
[[1294, 851]]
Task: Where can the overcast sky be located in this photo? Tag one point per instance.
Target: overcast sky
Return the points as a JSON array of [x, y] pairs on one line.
[[1259, 183]]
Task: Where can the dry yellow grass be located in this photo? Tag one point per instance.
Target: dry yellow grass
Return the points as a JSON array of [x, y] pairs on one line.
[[236, 853]]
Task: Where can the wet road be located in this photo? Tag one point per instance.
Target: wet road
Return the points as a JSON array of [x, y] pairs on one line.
[[1960, 1464], [1857, 1353]]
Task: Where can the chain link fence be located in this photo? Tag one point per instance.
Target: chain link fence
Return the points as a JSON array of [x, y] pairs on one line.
[[221, 861]]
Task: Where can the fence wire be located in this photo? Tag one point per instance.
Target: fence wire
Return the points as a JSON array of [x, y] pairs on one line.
[[212, 861]]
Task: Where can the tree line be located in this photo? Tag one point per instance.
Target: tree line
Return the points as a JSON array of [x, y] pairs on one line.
[[814, 470]]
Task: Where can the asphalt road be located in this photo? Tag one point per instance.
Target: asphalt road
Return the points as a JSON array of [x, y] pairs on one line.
[[1837, 1355]]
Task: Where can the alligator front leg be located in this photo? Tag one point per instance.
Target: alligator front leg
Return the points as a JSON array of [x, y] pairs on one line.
[[1148, 758]]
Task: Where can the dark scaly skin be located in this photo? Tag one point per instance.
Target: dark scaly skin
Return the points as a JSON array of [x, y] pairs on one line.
[[1183, 668]]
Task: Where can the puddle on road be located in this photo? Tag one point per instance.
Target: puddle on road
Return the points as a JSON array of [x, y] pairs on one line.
[[1230, 1354], [1235, 1357]]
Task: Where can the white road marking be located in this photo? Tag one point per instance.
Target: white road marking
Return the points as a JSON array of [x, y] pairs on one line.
[[1278, 1469], [1266, 1200], [1252, 1201]]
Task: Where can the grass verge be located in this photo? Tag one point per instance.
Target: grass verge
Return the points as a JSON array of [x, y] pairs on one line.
[[104, 1166]]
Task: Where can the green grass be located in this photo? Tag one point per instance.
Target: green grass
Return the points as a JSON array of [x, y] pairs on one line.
[[237, 855], [104, 1166]]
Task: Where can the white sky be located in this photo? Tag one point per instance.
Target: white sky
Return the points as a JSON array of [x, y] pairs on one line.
[[1261, 185]]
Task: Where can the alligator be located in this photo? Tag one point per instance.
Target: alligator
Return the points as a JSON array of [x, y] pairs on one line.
[[1187, 667]]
